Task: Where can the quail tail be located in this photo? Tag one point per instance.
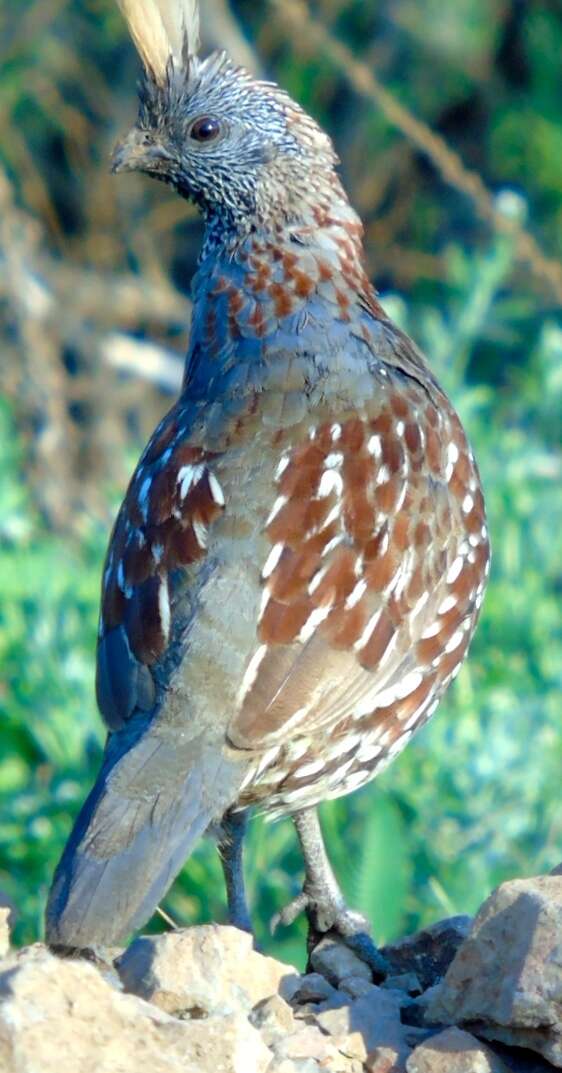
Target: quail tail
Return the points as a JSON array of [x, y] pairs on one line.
[[154, 797]]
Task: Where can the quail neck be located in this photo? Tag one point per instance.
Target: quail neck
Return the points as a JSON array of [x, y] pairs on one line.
[[282, 254]]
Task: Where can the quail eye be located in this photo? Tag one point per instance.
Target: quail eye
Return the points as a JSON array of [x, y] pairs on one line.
[[205, 129]]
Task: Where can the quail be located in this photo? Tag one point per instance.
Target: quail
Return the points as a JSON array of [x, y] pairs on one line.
[[296, 571]]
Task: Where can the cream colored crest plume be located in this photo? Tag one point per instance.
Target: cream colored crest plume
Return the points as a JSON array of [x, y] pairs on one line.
[[158, 29]]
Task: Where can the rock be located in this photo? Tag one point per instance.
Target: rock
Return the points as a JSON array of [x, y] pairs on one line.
[[203, 970], [405, 981], [428, 953], [518, 1060], [229, 1044], [217, 1006], [286, 1065], [546, 1041], [506, 979], [4, 931], [364, 1023], [336, 961], [415, 1012], [273, 1017], [454, 1051], [56, 1011], [306, 1043], [355, 986], [385, 1060], [312, 988]]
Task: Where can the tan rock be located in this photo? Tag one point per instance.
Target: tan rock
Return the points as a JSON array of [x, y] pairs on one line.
[[335, 961], [57, 1014], [454, 1051], [386, 1060], [227, 1044], [309, 1042], [4, 931], [362, 1024], [506, 979], [286, 1065], [274, 1018], [203, 970]]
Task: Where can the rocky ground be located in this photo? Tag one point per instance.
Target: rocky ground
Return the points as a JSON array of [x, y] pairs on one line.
[[482, 996]]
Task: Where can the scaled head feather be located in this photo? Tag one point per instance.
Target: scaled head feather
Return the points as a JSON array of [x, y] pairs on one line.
[[238, 147], [162, 30]]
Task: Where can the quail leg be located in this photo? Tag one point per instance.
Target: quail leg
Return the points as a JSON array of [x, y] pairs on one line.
[[233, 829], [323, 901]]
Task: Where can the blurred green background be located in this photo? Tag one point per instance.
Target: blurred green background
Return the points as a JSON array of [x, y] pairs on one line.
[[94, 279]]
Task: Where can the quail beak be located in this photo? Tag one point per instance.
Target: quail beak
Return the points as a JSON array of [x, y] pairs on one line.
[[135, 153]]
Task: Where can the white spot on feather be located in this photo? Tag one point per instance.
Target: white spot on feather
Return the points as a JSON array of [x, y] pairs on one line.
[[164, 608], [316, 580], [295, 749], [452, 453], [362, 640], [368, 752], [313, 620], [201, 533], [356, 594], [279, 503], [374, 446], [454, 641], [455, 569], [333, 460], [216, 490], [355, 779], [415, 717], [284, 462], [250, 674], [333, 543], [420, 604], [408, 684], [330, 482], [313, 768], [272, 560], [188, 476], [332, 517], [267, 758], [375, 699], [263, 603]]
